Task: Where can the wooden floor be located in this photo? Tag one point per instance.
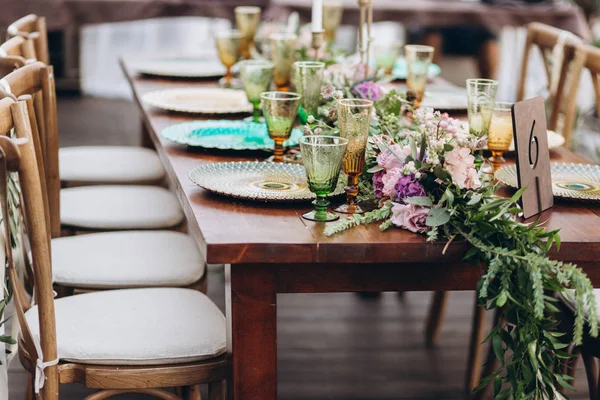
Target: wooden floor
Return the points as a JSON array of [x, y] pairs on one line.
[[331, 346]]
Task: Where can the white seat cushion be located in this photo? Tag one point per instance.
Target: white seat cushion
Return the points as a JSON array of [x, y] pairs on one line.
[[119, 207], [109, 164], [126, 259], [137, 327]]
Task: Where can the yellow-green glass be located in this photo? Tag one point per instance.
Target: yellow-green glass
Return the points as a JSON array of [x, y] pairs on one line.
[[481, 97], [418, 60], [228, 47], [280, 110], [332, 17], [501, 133], [256, 77], [283, 53], [386, 56], [308, 79], [247, 19], [322, 157], [354, 120]]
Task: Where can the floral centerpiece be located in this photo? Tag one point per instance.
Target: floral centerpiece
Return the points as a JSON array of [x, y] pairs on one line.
[[422, 177]]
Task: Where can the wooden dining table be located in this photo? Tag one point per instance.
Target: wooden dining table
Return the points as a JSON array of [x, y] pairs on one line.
[[268, 248]]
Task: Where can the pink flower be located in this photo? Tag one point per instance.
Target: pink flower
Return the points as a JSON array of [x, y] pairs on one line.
[[410, 216], [461, 165], [388, 160], [389, 180]]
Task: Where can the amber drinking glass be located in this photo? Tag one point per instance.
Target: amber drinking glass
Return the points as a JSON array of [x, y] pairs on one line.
[[247, 19], [481, 97], [501, 133], [354, 119], [308, 78], [418, 60], [283, 52], [386, 56], [228, 46], [280, 110], [256, 77], [322, 157], [332, 17]]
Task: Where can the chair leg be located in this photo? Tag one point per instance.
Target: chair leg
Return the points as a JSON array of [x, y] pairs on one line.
[[491, 363], [569, 366], [192, 393], [591, 371], [434, 317], [29, 388], [475, 348], [216, 390]]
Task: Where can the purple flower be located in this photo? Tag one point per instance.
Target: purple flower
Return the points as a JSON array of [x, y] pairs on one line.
[[368, 90], [393, 157], [378, 183], [408, 186], [411, 217]]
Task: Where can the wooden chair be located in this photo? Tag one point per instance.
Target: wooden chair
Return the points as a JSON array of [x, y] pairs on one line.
[[108, 260], [116, 341], [562, 100], [92, 165]]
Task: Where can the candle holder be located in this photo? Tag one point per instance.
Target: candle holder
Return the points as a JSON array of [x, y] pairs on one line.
[[318, 39]]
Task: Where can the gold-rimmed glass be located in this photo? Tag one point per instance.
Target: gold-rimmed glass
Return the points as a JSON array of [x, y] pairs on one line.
[[256, 77], [283, 53], [332, 18], [228, 47], [501, 133], [308, 78], [354, 119], [322, 157], [280, 110], [247, 19], [418, 60], [481, 97], [386, 56]]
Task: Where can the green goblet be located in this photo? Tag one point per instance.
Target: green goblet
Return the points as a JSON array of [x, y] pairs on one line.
[[322, 156], [256, 77], [280, 110], [283, 52], [308, 78], [354, 118]]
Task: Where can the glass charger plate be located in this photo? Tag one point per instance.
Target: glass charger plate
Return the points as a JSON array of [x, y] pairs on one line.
[[259, 181], [569, 181], [200, 100], [180, 67], [226, 135]]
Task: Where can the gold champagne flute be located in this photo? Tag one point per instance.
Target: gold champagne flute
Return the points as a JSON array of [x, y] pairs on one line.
[[354, 118], [228, 46], [280, 110], [332, 18], [418, 60], [501, 133], [283, 54], [247, 19]]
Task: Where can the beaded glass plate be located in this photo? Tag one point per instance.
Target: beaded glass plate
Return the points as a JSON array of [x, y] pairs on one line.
[[569, 181], [181, 67], [253, 180], [236, 135], [200, 100]]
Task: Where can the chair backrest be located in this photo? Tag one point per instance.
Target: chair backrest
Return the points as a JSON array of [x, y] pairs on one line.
[[557, 46], [19, 155], [37, 80], [32, 27]]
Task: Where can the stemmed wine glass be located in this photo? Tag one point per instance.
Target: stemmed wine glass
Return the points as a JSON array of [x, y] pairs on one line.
[[229, 47], [501, 133], [256, 77], [354, 117], [280, 110], [308, 78], [323, 157], [283, 52]]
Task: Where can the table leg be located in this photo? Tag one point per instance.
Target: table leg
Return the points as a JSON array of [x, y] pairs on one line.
[[251, 295]]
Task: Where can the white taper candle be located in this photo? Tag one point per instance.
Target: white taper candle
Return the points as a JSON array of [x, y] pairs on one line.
[[317, 15]]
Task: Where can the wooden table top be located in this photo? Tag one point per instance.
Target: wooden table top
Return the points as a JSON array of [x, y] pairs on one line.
[[231, 231]]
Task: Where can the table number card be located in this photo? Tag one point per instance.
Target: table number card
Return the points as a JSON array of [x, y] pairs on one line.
[[533, 157]]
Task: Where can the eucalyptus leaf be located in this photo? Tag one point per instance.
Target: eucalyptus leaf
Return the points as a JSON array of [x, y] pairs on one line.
[[437, 217], [419, 201]]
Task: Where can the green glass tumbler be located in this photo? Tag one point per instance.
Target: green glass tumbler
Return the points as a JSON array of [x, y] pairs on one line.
[[323, 157], [308, 78], [354, 119], [256, 77], [280, 110]]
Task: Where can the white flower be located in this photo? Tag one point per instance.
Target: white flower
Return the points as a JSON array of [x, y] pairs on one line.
[[339, 94], [310, 119], [318, 131], [326, 113]]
